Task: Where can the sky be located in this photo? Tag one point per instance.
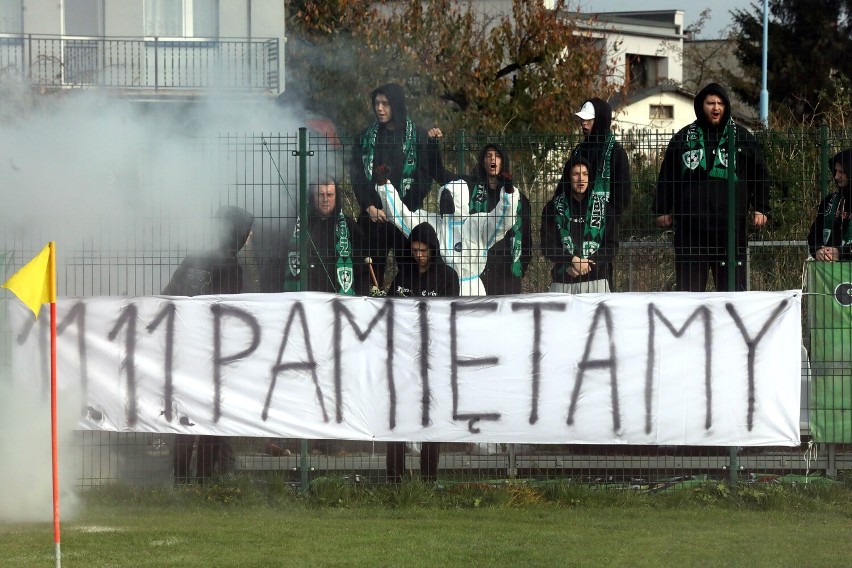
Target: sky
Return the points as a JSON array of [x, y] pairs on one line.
[[719, 10]]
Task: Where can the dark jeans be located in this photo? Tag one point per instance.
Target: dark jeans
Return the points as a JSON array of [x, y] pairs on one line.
[[701, 254], [429, 455], [212, 451]]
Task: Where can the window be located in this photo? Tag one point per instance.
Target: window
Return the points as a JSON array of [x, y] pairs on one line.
[[84, 18], [662, 112], [12, 17], [642, 71], [182, 18]]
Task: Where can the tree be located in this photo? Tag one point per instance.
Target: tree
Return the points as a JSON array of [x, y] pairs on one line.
[[524, 72], [808, 41]]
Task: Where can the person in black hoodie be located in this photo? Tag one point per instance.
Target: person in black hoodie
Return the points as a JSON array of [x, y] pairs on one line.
[[692, 193], [830, 237], [427, 276], [335, 247], [581, 257], [412, 158], [215, 272], [609, 174], [509, 258]]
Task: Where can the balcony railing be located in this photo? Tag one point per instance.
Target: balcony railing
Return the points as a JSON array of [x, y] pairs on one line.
[[142, 63]]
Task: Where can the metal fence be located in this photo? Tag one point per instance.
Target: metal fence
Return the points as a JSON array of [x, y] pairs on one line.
[[141, 63], [134, 253]]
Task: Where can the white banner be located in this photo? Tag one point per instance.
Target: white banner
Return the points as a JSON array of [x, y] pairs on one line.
[[661, 368]]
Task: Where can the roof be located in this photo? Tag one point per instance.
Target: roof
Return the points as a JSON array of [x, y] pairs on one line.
[[622, 100], [659, 23]]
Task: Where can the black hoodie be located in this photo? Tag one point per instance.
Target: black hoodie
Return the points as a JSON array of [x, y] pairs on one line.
[[497, 276], [322, 254], [593, 148], [839, 223], [389, 152], [217, 271], [551, 239], [439, 280], [698, 202]]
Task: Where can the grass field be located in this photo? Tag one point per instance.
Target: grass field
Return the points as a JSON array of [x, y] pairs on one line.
[[466, 525]]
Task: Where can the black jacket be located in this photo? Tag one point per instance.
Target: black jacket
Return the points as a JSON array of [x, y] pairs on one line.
[[217, 271], [551, 239], [322, 256], [698, 202], [593, 149], [839, 223], [497, 276], [389, 152], [438, 281]]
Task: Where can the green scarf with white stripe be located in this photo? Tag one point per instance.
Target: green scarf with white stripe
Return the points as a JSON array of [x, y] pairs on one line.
[[409, 151], [343, 272], [595, 225], [695, 155]]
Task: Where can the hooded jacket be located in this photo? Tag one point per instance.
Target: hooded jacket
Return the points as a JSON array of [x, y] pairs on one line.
[[439, 280], [497, 276], [322, 254], [389, 152], [593, 148], [830, 231], [685, 190], [551, 239], [217, 271]]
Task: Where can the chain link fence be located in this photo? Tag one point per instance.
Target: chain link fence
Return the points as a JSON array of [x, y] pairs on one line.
[[134, 252]]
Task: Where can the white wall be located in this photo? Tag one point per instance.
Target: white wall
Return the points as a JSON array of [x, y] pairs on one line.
[[637, 115], [624, 36]]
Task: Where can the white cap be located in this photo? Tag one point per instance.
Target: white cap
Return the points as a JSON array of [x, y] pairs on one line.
[[587, 112]]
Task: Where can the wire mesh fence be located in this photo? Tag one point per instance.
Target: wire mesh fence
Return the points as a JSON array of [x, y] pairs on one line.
[[135, 251]]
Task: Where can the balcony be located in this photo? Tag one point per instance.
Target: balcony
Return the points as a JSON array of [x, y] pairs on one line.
[[145, 64]]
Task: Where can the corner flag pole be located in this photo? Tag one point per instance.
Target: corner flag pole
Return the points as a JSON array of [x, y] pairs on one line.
[[54, 440], [35, 285]]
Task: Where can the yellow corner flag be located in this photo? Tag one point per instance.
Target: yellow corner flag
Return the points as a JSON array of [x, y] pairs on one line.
[[35, 283]]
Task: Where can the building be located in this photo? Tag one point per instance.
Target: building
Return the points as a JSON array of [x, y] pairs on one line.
[[145, 48], [643, 48]]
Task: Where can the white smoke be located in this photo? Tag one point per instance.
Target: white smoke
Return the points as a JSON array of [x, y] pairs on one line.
[[126, 190]]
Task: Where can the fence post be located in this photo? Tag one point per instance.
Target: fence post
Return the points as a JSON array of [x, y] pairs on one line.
[[733, 265], [302, 154], [823, 160], [156, 64], [460, 148]]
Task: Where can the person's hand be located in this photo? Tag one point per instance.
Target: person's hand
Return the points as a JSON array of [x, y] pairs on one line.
[[582, 266], [759, 219], [376, 215], [664, 221], [435, 133], [828, 254]]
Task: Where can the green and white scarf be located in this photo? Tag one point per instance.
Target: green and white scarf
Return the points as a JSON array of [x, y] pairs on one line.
[[595, 225], [409, 151], [343, 273], [830, 215], [479, 204], [695, 155]]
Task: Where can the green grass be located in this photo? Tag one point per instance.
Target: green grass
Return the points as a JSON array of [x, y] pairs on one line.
[[340, 524]]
